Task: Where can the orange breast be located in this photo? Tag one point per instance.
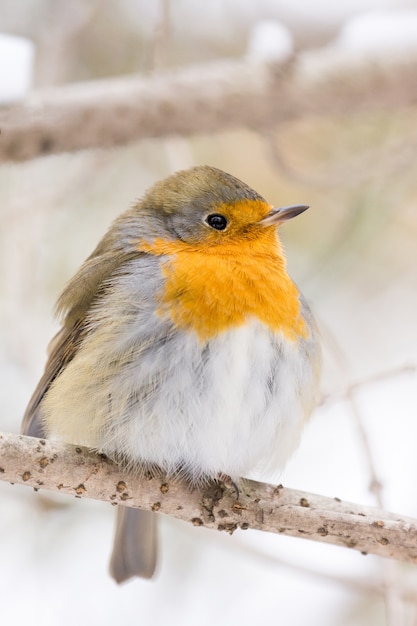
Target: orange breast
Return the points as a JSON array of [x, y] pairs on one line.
[[210, 289]]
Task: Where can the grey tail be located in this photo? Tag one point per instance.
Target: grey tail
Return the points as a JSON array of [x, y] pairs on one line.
[[32, 425], [135, 544]]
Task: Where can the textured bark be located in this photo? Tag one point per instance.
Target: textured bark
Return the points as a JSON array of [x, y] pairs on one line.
[[74, 470]]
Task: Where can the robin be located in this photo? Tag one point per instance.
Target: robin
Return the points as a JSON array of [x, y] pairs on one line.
[[184, 345]]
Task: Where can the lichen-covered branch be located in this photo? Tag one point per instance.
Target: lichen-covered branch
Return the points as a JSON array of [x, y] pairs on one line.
[[43, 464], [199, 99]]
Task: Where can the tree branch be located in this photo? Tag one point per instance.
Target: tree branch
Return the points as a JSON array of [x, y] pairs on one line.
[[74, 470], [200, 99]]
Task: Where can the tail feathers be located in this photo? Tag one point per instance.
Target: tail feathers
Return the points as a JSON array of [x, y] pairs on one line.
[[135, 544], [32, 425]]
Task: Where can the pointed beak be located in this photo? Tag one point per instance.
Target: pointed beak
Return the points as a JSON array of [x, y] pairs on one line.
[[276, 216]]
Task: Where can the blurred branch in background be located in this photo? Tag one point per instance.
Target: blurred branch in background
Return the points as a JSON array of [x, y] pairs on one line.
[[199, 99], [77, 471]]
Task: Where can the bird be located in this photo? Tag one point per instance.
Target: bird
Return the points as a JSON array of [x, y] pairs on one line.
[[184, 346]]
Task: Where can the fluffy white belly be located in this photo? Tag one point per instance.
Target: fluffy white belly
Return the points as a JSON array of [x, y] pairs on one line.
[[235, 404]]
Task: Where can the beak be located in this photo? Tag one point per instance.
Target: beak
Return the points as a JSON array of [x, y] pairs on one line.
[[276, 216]]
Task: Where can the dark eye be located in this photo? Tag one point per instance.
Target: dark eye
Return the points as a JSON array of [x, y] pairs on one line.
[[216, 221]]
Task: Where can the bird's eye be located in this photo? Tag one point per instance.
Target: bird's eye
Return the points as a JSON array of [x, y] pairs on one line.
[[216, 221]]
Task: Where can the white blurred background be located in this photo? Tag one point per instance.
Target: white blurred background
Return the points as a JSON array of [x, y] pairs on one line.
[[354, 255]]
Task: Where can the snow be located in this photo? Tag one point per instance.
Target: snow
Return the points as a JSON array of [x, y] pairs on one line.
[[270, 41], [380, 33], [16, 67]]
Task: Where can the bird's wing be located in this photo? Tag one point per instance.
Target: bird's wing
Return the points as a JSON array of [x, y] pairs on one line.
[[61, 351], [86, 287]]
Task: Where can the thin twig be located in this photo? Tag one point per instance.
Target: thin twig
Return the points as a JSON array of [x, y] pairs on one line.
[[405, 591], [161, 38], [360, 171], [373, 379]]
